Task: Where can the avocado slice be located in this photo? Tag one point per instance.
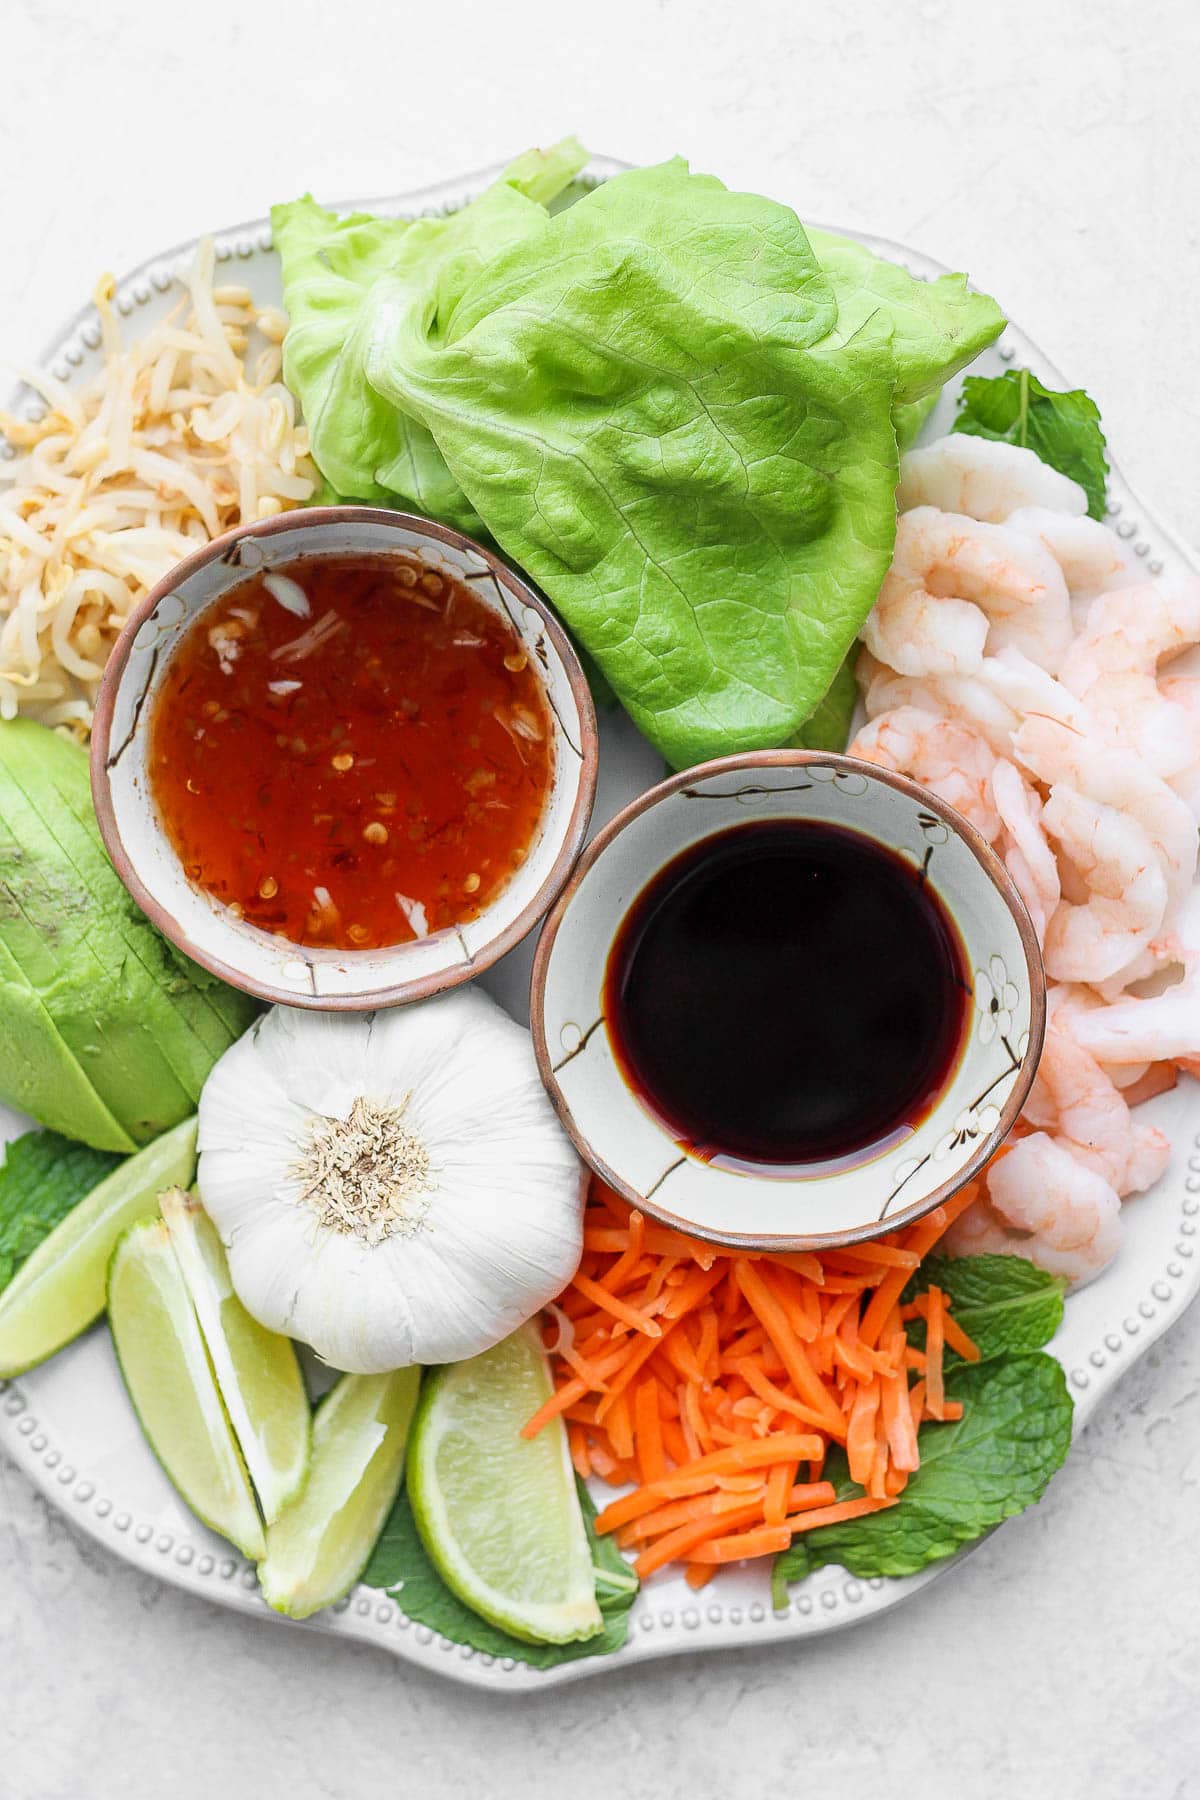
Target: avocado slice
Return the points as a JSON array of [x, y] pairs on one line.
[[141, 1023], [39, 1075], [68, 902], [216, 1012], [57, 929]]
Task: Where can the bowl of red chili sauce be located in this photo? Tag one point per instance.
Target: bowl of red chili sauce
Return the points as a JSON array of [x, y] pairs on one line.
[[344, 758]]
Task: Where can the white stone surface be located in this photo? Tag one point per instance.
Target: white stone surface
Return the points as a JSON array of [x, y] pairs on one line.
[[1051, 149]]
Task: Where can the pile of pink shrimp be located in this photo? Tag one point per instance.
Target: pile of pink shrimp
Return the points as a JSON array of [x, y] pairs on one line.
[[1019, 665]]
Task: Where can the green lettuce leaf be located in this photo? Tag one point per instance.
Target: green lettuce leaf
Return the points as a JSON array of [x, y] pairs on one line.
[[649, 405], [400, 1565], [337, 272], [975, 1472], [827, 726], [935, 327], [42, 1177], [1003, 1303], [908, 419], [1062, 428], [661, 401]]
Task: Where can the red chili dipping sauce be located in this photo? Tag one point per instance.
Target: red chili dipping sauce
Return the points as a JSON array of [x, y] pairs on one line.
[[351, 752]]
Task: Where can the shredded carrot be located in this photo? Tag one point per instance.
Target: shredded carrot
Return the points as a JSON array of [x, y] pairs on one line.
[[647, 1424], [704, 1381], [779, 1486], [580, 1458], [935, 1345], [628, 1315], [860, 1431], [836, 1515], [958, 1340], [630, 1256], [765, 1540], [877, 1256]]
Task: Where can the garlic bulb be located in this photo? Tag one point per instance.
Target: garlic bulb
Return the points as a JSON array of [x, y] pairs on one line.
[[391, 1187]]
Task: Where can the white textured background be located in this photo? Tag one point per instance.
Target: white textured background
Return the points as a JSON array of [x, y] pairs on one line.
[[1050, 149]]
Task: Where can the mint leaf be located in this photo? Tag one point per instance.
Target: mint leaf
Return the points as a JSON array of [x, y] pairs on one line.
[[1003, 1302], [400, 1565], [1062, 428], [42, 1177], [993, 1462]]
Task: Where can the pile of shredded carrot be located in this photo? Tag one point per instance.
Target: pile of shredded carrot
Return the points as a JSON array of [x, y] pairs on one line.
[[714, 1381]]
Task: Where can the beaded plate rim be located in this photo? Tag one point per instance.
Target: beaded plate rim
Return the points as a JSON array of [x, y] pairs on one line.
[[1135, 1306]]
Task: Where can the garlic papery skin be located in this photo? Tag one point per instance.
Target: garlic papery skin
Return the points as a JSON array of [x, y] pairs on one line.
[[391, 1187]]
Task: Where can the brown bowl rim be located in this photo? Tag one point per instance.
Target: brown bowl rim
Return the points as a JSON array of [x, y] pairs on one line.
[[397, 993], [992, 867]]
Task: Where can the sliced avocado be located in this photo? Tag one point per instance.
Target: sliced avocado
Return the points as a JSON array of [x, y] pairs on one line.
[[215, 1012], [39, 1075], [59, 932], [55, 782], [142, 1024]]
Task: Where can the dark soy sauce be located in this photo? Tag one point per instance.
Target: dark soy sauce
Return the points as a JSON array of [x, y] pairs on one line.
[[789, 994]]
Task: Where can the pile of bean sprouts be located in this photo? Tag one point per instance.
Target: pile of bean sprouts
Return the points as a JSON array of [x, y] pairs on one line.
[[179, 437]]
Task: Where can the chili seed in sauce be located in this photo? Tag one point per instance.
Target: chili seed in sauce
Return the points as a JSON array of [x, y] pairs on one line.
[[280, 745]]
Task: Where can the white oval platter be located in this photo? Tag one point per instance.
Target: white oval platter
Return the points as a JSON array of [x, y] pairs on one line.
[[69, 1425]]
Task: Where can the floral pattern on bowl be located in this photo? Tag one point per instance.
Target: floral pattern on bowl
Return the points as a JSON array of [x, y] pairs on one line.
[[632, 1150]]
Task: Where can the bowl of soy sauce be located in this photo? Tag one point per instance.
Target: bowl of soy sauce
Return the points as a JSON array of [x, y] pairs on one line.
[[788, 1000]]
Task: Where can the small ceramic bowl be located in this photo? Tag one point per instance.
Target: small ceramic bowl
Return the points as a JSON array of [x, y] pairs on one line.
[[240, 953], [634, 1151]]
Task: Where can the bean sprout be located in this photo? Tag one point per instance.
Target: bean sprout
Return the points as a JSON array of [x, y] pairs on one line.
[[182, 435]]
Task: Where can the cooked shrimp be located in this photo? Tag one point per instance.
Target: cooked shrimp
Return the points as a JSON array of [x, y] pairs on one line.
[[963, 697], [1044, 1204], [952, 761], [1093, 1119], [1027, 856], [1025, 688], [1183, 691], [983, 479], [1117, 779], [1092, 939], [1113, 664], [1091, 556], [956, 585], [1133, 628], [1156, 1027], [916, 632]]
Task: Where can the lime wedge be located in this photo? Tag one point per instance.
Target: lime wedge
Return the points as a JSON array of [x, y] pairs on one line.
[[499, 1514], [59, 1290], [321, 1545], [172, 1386], [257, 1371]]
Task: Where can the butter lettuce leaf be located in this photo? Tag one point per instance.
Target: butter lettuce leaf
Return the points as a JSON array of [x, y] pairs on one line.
[[650, 405], [909, 417], [336, 272], [827, 726], [676, 412], [935, 327]]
